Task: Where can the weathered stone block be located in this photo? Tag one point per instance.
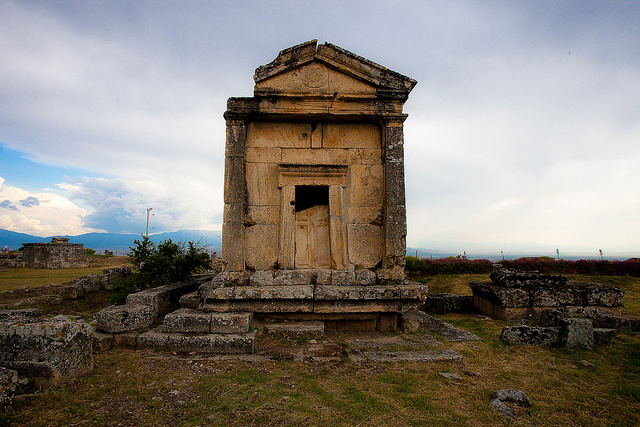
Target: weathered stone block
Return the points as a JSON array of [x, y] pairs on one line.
[[576, 333], [501, 296], [49, 352], [89, 283], [367, 185], [282, 135], [162, 299], [264, 155], [323, 277], [276, 292], [342, 277], [524, 334], [366, 277], [262, 184], [230, 323], [111, 274], [511, 279], [391, 276], [293, 277], [261, 246], [348, 135], [126, 340], [187, 320], [413, 321], [261, 278], [124, 318], [262, 215], [365, 245], [19, 315], [605, 296]]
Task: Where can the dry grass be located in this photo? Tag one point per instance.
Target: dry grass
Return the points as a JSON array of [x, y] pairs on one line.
[[568, 388], [14, 278]]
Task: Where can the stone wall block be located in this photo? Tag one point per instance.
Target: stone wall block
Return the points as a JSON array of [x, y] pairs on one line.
[[605, 296], [261, 246], [365, 242]]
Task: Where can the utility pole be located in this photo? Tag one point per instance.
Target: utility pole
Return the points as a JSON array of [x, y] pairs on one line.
[[147, 233]]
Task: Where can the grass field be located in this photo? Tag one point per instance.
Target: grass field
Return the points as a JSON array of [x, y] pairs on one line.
[[568, 388]]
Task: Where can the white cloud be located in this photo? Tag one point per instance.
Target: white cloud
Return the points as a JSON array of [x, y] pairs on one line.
[[40, 214], [523, 126]]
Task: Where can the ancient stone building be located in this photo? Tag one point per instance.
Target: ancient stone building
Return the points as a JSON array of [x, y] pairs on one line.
[[314, 215], [57, 254], [314, 173]]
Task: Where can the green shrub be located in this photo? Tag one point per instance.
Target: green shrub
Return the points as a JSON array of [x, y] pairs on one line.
[[154, 266]]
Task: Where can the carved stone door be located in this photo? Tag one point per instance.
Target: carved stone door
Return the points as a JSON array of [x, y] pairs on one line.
[[312, 238]]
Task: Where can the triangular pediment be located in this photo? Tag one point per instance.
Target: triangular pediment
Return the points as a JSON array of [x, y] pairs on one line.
[[308, 68]]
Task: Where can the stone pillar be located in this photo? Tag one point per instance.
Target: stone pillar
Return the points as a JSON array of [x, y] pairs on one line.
[[234, 193], [286, 259], [395, 217], [337, 232]]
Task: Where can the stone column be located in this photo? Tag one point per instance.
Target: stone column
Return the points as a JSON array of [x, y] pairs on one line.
[[234, 193], [395, 217]]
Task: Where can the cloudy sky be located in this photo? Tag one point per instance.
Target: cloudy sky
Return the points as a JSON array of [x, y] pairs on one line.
[[523, 131]]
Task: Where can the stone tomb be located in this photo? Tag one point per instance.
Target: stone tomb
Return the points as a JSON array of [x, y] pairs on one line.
[[314, 214], [57, 254]]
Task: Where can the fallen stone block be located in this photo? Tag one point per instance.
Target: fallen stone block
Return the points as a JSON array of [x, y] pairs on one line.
[[124, 318], [47, 351], [523, 334], [576, 333]]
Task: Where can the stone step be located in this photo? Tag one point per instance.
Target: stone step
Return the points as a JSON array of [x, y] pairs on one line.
[[186, 320], [206, 343], [297, 330]]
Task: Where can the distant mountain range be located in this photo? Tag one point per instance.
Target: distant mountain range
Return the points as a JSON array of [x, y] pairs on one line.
[[114, 241]]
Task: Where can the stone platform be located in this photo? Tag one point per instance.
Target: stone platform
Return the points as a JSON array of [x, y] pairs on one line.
[[323, 293]]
